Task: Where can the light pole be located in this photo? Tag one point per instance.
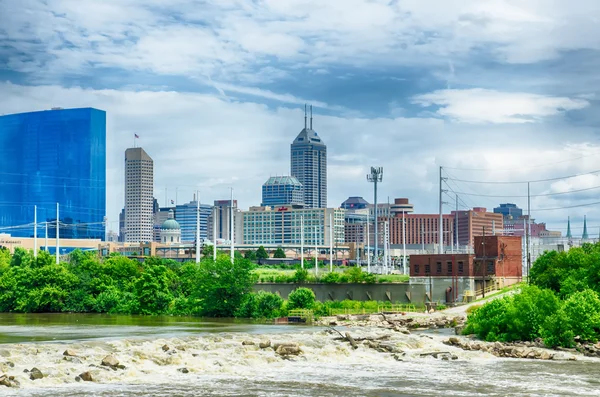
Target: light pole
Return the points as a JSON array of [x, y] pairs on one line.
[[302, 241], [375, 177], [316, 254], [197, 227], [35, 249], [330, 242], [231, 227], [57, 236]]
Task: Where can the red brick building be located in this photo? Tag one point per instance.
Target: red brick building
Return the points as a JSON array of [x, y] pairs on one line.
[[497, 259], [472, 223]]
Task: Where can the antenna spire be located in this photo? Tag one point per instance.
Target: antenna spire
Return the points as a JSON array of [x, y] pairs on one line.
[[311, 117], [305, 115]]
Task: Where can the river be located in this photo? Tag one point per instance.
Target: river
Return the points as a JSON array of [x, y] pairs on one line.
[[219, 365]]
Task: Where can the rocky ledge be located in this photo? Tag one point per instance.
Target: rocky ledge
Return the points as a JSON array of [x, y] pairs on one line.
[[528, 350], [398, 322]]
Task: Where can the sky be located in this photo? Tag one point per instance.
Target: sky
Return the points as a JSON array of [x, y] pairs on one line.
[[493, 91]]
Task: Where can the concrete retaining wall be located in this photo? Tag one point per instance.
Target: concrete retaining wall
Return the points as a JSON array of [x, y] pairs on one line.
[[390, 292]]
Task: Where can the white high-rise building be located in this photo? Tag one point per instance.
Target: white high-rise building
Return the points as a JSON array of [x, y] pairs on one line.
[[139, 188]]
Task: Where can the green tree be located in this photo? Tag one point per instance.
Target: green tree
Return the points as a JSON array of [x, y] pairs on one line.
[[279, 253], [261, 253], [583, 312], [207, 251], [300, 276], [250, 255], [222, 285], [301, 298]]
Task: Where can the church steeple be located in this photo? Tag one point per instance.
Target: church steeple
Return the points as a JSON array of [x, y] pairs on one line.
[[569, 228], [584, 236]]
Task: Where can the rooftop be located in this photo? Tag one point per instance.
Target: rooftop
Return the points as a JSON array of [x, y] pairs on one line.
[[282, 180]]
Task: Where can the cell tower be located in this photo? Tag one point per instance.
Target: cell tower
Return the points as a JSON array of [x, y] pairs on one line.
[[375, 177]]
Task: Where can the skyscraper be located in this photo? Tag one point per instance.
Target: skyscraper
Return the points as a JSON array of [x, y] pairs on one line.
[[282, 190], [185, 214], [139, 202], [49, 157], [309, 165]]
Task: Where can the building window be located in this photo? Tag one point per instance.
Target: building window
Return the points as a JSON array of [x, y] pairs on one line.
[[417, 269], [461, 267], [449, 267], [490, 267], [427, 269], [438, 267]]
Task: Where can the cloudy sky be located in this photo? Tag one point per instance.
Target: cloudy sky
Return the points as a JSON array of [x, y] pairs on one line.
[[493, 90]]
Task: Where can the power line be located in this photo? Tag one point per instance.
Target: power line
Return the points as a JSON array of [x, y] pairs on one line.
[[522, 168], [564, 208], [533, 195], [524, 182]]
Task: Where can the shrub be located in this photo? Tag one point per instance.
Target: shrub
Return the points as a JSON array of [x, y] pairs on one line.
[[268, 305], [331, 278], [300, 276], [583, 312], [301, 298]]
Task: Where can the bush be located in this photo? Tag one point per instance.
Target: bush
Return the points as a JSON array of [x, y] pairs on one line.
[[330, 278], [300, 276], [268, 305], [301, 298], [583, 312]]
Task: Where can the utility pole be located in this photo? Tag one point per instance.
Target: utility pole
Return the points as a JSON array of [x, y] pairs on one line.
[[403, 243], [456, 223], [316, 254], [35, 249], [302, 241], [375, 177], [57, 236], [368, 247], [441, 224], [331, 242], [484, 262], [528, 231], [214, 233], [231, 226], [197, 227]]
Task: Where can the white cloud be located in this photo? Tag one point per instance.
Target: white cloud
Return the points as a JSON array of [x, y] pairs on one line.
[[488, 106], [202, 142]]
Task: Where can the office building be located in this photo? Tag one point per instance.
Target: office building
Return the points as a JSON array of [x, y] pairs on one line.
[[221, 216], [139, 202], [476, 222], [509, 211], [268, 226], [49, 157], [309, 165], [282, 190], [355, 220], [421, 229], [185, 215]]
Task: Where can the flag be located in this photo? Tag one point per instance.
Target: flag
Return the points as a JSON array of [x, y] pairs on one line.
[[136, 135]]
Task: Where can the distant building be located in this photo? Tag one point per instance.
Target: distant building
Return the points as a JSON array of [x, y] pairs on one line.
[[186, 215], [139, 200], [509, 211], [421, 229], [476, 222], [160, 216], [170, 230], [220, 217], [282, 225], [354, 203], [309, 165], [282, 190], [49, 157], [122, 230]]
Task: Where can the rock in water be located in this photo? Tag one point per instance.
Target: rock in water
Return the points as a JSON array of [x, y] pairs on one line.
[[35, 374], [264, 344], [110, 361], [9, 381], [248, 343], [70, 353], [165, 348], [86, 376], [288, 349], [183, 370]]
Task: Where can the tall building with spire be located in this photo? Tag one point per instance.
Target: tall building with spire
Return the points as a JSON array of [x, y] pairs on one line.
[[585, 235], [139, 200], [569, 235], [309, 164]]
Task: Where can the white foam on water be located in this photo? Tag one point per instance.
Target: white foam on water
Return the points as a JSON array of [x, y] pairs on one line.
[[324, 364]]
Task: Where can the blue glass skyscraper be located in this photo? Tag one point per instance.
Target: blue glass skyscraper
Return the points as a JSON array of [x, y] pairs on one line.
[[282, 190], [185, 214], [49, 157]]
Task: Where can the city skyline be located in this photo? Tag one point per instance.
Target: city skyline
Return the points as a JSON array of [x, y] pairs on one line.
[[510, 91]]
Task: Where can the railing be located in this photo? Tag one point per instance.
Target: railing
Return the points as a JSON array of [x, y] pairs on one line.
[[304, 314], [397, 308]]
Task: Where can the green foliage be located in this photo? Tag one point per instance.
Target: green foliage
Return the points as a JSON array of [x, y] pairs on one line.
[[301, 298], [331, 278], [250, 255], [122, 285], [260, 305], [300, 276], [207, 251], [261, 253], [279, 253], [563, 303]]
